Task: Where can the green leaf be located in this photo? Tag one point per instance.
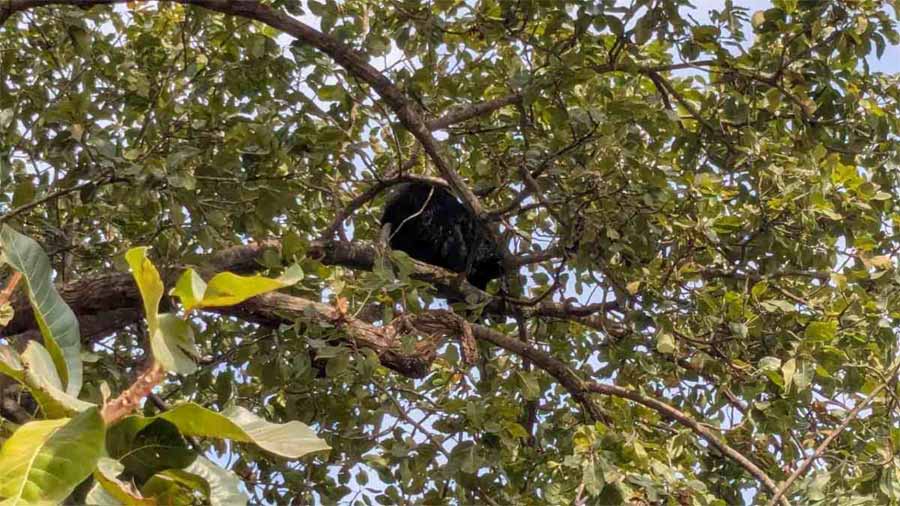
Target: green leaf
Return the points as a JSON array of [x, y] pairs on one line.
[[57, 322], [779, 305], [769, 364], [224, 485], [6, 314], [890, 482], [171, 339], [787, 370], [531, 389], [43, 382], [228, 289], [592, 477], [35, 369], [98, 496], [119, 492], [147, 446], [291, 440], [173, 344], [824, 331], [175, 487], [149, 283], [45, 460], [11, 363], [758, 19]]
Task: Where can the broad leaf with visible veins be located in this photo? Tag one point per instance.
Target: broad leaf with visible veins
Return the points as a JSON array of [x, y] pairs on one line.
[[57, 322], [45, 460]]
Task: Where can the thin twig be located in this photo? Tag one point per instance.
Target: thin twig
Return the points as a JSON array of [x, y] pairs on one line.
[[7, 292], [786, 484], [55, 195]]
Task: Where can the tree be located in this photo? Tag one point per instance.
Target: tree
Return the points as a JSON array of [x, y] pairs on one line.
[[697, 211]]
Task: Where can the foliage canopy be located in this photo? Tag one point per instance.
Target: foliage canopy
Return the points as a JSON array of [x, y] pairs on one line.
[[699, 210]]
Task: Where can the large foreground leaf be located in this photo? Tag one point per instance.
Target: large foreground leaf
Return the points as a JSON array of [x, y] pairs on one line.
[[291, 440], [45, 460], [57, 322], [35, 369], [146, 446]]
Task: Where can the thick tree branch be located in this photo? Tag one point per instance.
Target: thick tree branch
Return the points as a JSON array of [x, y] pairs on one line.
[[116, 293], [109, 302]]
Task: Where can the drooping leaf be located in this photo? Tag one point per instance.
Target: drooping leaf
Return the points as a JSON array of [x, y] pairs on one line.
[[46, 386], [112, 490], [45, 460], [173, 344], [57, 322], [35, 369], [291, 440], [147, 446], [176, 487], [98, 496], [224, 485]]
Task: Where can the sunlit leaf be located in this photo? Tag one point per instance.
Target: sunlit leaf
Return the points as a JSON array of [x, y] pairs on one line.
[[45, 460], [228, 289], [35, 369], [149, 283], [224, 485]]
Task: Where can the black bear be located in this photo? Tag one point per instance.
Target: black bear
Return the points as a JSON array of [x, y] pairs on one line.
[[430, 225]]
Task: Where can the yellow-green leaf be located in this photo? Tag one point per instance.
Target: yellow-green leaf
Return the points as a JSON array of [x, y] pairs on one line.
[[118, 492], [224, 485], [6, 314], [149, 283], [45, 385], [228, 289], [665, 343], [44, 461], [35, 369], [189, 289]]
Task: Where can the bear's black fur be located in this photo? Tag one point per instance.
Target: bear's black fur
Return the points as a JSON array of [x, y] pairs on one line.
[[429, 224]]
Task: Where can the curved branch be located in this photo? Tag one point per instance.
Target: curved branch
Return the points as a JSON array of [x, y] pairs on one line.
[[580, 390]]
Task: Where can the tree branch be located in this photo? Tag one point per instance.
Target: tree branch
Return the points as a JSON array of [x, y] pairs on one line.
[[465, 113]]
